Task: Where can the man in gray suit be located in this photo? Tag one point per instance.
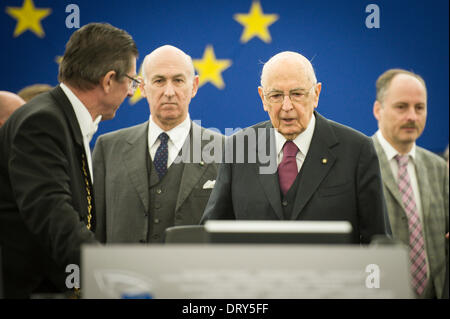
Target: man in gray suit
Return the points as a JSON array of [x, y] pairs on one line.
[[323, 170], [159, 173], [415, 181]]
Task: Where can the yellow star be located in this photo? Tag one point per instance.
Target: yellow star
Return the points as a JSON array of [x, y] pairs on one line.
[[28, 18], [256, 23], [210, 69]]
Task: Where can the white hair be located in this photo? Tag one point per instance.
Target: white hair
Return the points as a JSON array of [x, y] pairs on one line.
[[289, 55]]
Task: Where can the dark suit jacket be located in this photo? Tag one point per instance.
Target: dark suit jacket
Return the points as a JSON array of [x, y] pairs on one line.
[[43, 198], [347, 187], [121, 183]]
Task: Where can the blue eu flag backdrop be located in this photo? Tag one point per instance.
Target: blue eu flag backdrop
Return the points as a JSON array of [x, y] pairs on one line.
[[350, 43]]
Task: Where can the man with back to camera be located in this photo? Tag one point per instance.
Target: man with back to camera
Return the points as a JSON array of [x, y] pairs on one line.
[[324, 170], [46, 203], [415, 181], [140, 188]]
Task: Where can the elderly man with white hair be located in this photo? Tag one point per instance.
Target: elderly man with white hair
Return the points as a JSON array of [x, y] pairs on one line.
[[325, 170]]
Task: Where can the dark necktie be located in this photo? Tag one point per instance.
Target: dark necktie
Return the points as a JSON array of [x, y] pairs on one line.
[[161, 155], [287, 170]]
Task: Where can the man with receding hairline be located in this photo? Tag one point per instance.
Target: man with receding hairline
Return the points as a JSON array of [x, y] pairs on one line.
[[326, 171], [140, 188], [415, 180], [9, 102]]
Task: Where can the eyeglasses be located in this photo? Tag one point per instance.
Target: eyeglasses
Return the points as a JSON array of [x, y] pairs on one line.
[[134, 84], [296, 96]]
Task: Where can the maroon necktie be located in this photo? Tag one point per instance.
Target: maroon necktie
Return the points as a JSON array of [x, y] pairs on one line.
[[287, 170]]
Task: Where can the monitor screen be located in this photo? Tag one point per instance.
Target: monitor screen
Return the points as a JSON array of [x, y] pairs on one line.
[[276, 232]]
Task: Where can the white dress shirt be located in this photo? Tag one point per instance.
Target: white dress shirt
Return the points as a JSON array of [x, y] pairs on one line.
[[177, 137], [87, 125], [391, 152], [303, 141]]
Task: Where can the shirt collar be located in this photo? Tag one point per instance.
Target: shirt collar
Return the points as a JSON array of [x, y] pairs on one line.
[[389, 150], [84, 118], [303, 140], [177, 135]]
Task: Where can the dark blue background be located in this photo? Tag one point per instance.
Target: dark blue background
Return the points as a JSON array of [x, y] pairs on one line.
[[347, 56]]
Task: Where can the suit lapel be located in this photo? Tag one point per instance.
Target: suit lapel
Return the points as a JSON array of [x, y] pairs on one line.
[[269, 182], [64, 104], [314, 170], [67, 108], [386, 172], [62, 100], [134, 155], [192, 171]]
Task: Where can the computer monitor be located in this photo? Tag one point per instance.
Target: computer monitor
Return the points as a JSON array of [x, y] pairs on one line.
[[279, 232]]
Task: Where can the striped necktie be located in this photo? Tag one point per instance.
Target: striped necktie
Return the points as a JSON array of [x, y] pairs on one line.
[[416, 241]]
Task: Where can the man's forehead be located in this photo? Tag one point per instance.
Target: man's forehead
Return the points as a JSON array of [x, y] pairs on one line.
[[406, 81], [289, 79], [293, 89], [282, 71], [168, 74], [168, 66], [404, 85]]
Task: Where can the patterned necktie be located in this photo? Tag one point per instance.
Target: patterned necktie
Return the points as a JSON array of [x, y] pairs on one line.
[[416, 240], [287, 170], [161, 156]]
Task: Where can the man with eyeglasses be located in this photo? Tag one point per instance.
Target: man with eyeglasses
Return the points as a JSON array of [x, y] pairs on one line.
[[141, 188], [47, 208], [326, 171]]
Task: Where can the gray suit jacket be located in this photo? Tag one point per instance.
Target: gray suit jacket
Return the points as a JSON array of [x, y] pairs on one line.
[[121, 183], [340, 181], [432, 177]]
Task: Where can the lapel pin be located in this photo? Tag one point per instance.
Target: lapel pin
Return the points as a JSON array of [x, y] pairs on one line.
[[324, 161]]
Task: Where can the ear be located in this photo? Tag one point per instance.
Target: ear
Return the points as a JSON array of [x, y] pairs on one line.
[[106, 82], [377, 110], [261, 95], [195, 86], [142, 87], [317, 91]]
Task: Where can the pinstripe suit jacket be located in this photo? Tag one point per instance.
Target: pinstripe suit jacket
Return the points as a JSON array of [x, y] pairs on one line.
[[121, 184], [432, 177]]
